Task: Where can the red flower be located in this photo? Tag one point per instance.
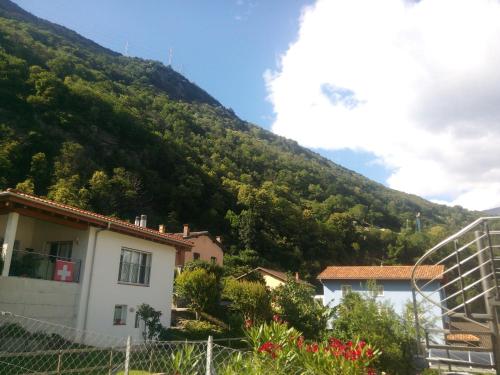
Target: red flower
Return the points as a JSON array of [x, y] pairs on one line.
[[369, 353], [248, 323], [371, 371], [312, 348], [270, 348], [300, 342], [277, 318]]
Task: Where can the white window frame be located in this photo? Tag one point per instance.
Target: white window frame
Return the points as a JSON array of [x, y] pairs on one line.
[[378, 291], [122, 320], [345, 289], [130, 273]]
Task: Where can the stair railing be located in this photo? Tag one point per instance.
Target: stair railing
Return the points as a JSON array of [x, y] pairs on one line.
[[468, 295]]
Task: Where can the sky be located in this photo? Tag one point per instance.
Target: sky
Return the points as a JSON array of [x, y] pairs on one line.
[[403, 92]]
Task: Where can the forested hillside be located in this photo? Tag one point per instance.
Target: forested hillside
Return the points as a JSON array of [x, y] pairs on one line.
[[123, 136]]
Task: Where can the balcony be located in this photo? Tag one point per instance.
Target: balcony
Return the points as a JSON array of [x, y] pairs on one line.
[[33, 265]]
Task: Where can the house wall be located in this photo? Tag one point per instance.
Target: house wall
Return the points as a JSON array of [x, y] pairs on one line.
[[41, 299], [106, 292], [206, 248], [271, 281], [396, 292]]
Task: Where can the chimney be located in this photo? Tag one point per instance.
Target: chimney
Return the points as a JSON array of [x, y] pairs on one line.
[[218, 239], [186, 231], [144, 220], [161, 228], [137, 220], [297, 276]]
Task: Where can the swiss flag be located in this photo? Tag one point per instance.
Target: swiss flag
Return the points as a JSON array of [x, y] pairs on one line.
[[63, 271]]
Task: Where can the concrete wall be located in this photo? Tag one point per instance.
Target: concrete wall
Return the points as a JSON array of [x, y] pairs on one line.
[[46, 300], [206, 248], [106, 291], [396, 292]]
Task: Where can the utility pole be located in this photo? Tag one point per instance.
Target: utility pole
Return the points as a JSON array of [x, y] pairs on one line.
[[126, 48]]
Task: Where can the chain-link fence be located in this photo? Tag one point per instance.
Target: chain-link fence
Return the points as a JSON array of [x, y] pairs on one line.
[[31, 346]]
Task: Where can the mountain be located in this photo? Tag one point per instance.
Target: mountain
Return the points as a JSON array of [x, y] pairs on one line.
[[492, 212], [84, 125]]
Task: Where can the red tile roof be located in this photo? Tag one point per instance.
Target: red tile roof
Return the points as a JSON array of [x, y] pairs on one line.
[[93, 218], [380, 273]]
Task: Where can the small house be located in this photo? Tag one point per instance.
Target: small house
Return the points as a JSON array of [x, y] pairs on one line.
[[272, 278], [389, 284], [205, 247]]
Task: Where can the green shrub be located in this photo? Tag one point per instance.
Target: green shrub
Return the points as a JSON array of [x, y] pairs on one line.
[[200, 289], [251, 299], [281, 350], [363, 317], [295, 303]]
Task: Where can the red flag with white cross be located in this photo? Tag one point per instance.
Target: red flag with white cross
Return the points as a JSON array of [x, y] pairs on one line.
[[64, 271]]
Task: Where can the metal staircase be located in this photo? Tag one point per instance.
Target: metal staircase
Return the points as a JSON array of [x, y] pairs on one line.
[[468, 296]]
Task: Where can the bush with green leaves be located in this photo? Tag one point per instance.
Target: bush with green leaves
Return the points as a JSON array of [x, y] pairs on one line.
[[151, 319], [279, 349], [200, 289], [210, 267], [294, 301], [249, 298], [363, 317]]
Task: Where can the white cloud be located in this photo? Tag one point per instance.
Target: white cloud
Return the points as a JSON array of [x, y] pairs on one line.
[[415, 83]]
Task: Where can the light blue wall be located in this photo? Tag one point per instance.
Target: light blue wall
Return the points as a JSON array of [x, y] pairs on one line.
[[396, 292]]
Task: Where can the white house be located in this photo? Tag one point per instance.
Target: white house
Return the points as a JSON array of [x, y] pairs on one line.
[[82, 269]]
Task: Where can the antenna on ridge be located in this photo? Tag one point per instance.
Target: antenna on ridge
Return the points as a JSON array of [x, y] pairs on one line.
[[126, 48], [170, 56]]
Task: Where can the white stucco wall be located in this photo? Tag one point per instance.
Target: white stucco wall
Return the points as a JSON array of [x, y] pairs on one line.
[[45, 300], [106, 291]]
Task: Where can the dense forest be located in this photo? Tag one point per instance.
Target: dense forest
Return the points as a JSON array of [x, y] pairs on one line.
[[123, 136]]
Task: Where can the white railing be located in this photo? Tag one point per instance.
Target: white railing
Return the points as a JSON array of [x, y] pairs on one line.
[[469, 292]]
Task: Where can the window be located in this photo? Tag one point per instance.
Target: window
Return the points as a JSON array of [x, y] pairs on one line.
[[213, 260], [346, 289], [60, 249], [377, 291], [196, 256], [135, 267], [137, 320], [120, 316]]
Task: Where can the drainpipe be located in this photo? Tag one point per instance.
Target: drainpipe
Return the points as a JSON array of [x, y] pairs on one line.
[[91, 274]]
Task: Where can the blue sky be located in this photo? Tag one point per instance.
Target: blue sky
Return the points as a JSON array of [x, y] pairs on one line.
[[223, 46]]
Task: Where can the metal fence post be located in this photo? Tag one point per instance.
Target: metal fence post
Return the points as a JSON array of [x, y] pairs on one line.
[[110, 361], [127, 357], [59, 362], [210, 344]]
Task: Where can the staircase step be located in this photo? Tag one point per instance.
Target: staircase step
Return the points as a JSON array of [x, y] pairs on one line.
[[461, 348]]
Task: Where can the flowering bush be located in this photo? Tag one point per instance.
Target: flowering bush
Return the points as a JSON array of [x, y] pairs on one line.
[[280, 349]]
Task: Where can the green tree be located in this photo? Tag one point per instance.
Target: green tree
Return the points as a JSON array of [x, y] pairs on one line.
[[199, 288], [251, 299], [364, 318], [294, 301]]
